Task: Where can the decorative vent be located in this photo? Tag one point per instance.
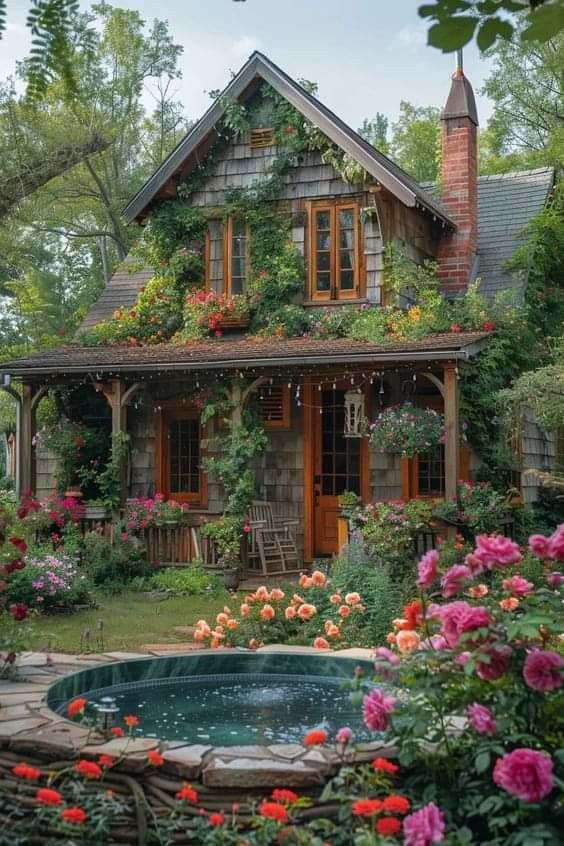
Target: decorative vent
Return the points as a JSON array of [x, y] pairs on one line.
[[261, 138], [274, 406]]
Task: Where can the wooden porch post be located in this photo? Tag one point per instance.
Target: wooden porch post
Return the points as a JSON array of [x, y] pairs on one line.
[[26, 438], [452, 431], [114, 392]]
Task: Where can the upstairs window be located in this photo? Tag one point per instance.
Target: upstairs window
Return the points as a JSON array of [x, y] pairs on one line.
[[237, 256], [335, 253]]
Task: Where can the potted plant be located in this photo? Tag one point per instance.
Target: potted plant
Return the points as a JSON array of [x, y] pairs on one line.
[[95, 509], [407, 430], [225, 535]]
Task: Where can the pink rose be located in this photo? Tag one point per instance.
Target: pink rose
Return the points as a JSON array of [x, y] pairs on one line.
[[538, 545], [554, 580], [427, 569], [497, 664], [544, 671], [436, 642], [496, 551], [556, 544], [463, 658], [481, 719], [458, 618], [518, 586], [376, 709], [387, 655], [453, 580], [424, 827], [525, 773], [344, 735], [474, 563]]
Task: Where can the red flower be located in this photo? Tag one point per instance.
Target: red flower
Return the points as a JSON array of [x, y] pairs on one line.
[[216, 818], [117, 731], [75, 816], [388, 826], [385, 766], [283, 795], [187, 794], [456, 328], [131, 721], [48, 797], [18, 610], [88, 769], [19, 543], [106, 761], [396, 804], [273, 811], [489, 326], [413, 614], [315, 737], [155, 758], [367, 807], [27, 772], [77, 706]]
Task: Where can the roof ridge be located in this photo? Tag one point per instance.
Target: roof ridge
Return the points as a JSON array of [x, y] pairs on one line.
[[511, 174]]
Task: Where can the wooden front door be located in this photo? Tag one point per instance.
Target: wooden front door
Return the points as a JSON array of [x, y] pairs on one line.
[[339, 465]]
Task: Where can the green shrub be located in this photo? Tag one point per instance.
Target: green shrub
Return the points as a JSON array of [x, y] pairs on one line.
[[111, 566], [382, 597], [190, 581]]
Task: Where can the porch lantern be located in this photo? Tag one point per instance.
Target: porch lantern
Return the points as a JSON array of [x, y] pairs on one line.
[[354, 414]]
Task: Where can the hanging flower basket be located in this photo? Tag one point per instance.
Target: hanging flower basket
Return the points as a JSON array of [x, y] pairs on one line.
[[407, 430]]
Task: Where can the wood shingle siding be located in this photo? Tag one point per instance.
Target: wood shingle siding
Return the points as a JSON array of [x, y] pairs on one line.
[[121, 292]]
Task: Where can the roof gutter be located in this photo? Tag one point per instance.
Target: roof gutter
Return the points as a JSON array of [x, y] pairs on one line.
[[461, 354]]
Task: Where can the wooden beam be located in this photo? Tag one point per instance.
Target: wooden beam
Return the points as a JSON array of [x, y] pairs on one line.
[[26, 439], [117, 395], [452, 432]]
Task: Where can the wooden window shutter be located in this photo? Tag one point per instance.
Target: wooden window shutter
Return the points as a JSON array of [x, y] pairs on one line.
[[274, 406], [263, 137]]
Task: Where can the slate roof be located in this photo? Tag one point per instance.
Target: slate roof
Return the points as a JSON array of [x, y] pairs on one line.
[[240, 353], [507, 202], [386, 172], [121, 291]]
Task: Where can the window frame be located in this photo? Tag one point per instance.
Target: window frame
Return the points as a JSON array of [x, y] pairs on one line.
[[170, 412], [335, 293], [228, 255]]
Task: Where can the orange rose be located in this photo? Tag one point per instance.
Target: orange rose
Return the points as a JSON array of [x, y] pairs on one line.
[[407, 641], [321, 643], [333, 631], [344, 611], [290, 612], [262, 594], [245, 610], [305, 581], [318, 578], [352, 598], [276, 595], [267, 612], [391, 637], [306, 611], [222, 618], [199, 635], [232, 625], [478, 591], [509, 604], [297, 599], [335, 599]]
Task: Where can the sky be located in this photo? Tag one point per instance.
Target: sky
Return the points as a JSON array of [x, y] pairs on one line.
[[365, 55]]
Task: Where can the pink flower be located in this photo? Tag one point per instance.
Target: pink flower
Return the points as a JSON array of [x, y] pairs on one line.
[[496, 551], [556, 544], [463, 658], [554, 580], [538, 545], [481, 719], [544, 671], [376, 709], [453, 580], [458, 618], [344, 735], [497, 664], [525, 773], [427, 569], [436, 642], [387, 655], [424, 827], [518, 586]]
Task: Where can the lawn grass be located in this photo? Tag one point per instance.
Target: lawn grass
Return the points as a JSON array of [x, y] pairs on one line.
[[130, 620]]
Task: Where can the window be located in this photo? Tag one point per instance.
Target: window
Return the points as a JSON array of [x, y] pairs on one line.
[[429, 469], [179, 472], [335, 251], [340, 456], [274, 406], [237, 256]]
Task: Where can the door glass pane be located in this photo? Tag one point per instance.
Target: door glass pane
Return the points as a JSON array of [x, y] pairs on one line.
[[346, 220], [184, 456], [238, 256], [340, 460]]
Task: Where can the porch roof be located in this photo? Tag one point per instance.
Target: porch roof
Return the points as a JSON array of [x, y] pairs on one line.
[[241, 353]]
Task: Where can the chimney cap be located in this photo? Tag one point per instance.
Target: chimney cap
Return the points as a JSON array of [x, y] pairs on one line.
[[461, 101]]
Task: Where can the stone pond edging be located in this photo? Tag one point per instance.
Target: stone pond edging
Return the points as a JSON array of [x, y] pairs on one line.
[[29, 727]]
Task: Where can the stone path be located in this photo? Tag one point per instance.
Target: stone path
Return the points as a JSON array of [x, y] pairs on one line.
[[27, 724]]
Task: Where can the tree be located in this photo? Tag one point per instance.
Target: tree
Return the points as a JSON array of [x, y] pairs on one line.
[[375, 131], [415, 141], [455, 23]]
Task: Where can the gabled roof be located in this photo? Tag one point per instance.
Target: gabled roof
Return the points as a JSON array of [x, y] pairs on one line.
[[384, 171], [242, 352]]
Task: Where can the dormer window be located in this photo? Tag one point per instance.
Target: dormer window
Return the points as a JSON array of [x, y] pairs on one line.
[[334, 251], [237, 254]]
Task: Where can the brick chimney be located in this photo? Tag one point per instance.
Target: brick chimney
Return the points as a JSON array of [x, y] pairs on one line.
[[457, 250]]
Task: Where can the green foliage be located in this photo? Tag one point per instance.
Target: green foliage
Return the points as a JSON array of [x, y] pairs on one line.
[[75, 445], [188, 581], [226, 534], [49, 581], [456, 22], [112, 564], [356, 570], [415, 142], [407, 430], [375, 131]]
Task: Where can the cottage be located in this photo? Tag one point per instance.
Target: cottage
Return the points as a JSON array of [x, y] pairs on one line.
[[340, 203]]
